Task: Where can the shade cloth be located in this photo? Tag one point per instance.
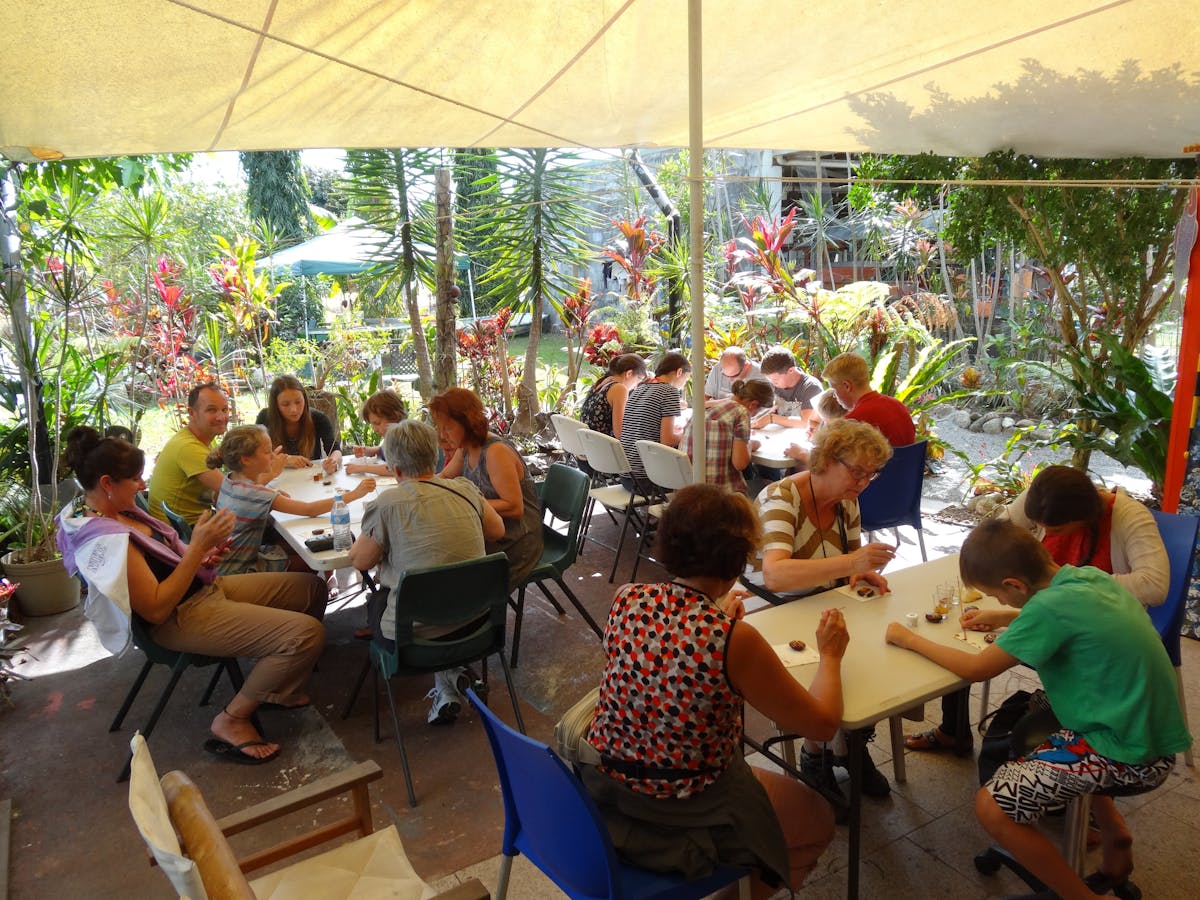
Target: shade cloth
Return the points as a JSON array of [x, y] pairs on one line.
[[1070, 78]]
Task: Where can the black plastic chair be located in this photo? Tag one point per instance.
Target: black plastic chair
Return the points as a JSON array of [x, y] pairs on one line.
[[443, 596], [564, 497], [178, 662], [894, 498]]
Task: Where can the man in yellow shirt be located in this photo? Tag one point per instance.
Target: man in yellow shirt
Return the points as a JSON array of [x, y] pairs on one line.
[[181, 475]]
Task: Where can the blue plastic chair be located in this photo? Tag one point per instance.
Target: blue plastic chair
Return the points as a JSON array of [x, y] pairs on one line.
[[894, 498], [1179, 535], [551, 819]]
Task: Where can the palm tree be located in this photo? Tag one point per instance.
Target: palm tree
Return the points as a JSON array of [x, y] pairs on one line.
[[388, 188], [537, 244]]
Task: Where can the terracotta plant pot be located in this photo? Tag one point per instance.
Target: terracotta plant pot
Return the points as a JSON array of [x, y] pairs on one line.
[[46, 588]]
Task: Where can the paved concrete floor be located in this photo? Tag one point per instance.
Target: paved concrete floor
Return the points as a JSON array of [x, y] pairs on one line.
[[72, 835]]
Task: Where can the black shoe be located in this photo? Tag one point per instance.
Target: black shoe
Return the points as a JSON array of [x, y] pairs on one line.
[[818, 769], [874, 782]]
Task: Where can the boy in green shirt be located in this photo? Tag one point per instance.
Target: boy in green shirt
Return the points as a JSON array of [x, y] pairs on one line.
[[1108, 680]]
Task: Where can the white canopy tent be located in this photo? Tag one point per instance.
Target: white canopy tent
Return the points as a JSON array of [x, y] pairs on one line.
[[1072, 78]]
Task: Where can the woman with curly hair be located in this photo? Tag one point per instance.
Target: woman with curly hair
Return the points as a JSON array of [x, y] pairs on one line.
[[672, 782], [494, 466]]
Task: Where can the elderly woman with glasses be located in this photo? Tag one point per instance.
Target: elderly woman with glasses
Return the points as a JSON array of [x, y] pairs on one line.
[[812, 542], [812, 539]]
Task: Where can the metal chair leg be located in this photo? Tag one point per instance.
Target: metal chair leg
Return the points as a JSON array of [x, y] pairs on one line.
[[587, 617], [412, 797], [176, 673], [519, 617], [621, 541], [358, 683], [512, 691], [131, 696], [206, 697]]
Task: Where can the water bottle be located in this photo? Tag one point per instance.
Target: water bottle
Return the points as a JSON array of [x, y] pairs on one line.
[[339, 519]]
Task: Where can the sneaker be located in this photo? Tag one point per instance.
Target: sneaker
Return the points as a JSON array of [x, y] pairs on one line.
[[818, 768], [874, 782], [447, 697]]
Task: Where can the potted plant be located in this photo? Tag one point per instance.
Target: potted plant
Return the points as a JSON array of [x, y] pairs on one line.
[[38, 362]]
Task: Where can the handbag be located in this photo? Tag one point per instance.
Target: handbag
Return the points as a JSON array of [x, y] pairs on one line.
[[569, 731]]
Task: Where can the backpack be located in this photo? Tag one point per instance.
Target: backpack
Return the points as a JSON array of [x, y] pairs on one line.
[[1021, 723], [595, 412]]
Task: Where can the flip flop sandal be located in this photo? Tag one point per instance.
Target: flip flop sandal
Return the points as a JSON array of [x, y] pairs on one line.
[[930, 742], [233, 752]]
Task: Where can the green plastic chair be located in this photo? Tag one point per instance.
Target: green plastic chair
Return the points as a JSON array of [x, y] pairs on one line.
[[564, 497], [178, 662], [182, 528], [444, 595]]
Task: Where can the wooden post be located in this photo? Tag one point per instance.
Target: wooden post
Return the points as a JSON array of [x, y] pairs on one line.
[[445, 372]]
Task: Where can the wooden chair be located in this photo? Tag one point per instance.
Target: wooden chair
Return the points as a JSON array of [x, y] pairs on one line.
[[192, 849]]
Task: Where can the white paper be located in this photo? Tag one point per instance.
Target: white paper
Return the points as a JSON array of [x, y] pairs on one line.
[[792, 658], [852, 592]]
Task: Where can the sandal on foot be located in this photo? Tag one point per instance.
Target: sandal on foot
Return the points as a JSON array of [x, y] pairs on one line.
[[933, 741], [233, 752]]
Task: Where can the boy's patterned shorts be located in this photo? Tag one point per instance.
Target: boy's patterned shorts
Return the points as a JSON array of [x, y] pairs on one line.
[[1060, 770]]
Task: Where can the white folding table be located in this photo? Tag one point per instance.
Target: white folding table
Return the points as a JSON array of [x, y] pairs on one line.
[[879, 681], [300, 485]]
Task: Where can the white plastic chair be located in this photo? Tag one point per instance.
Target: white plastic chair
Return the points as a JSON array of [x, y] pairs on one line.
[[568, 430], [668, 470], [606, 456]]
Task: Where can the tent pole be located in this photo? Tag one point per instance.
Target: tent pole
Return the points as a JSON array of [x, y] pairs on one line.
[[1187, 382], [696, 228]]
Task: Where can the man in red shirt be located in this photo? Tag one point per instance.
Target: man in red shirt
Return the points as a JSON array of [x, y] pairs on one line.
[[850, 380]]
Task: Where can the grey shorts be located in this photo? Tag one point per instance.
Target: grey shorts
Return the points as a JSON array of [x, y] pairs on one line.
[[1063, 768]]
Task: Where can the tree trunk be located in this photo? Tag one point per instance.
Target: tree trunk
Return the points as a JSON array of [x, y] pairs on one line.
[[527, 394], [445, 374], [416, 329]]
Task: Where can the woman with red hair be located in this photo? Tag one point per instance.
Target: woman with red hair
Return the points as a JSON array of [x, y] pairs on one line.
[[497, 469]]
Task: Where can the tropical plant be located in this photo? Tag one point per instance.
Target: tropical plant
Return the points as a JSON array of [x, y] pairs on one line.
[[277, 192], [248, 294], [537, 241], [574, 312], [1107, 252], [349, 397], [1118, 408]]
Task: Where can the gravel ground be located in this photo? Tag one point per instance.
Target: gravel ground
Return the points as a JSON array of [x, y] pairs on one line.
[[951, 486]]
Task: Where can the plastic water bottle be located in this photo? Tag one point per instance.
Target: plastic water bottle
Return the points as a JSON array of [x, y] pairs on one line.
[[339, 519]]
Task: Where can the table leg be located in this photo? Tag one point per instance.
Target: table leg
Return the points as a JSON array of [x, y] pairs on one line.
[[856, 747]]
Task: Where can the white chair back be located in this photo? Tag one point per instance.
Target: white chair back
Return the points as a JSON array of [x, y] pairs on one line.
[[568, 430], [667, 467], [604, 453]]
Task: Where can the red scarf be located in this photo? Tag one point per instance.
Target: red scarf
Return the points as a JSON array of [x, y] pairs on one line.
[[1071, 549]]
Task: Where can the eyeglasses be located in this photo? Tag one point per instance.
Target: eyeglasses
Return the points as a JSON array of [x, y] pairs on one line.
[[858, 473]]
